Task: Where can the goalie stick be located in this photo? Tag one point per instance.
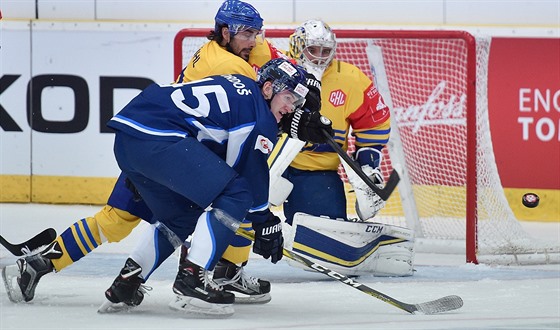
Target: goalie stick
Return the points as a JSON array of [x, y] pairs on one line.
[[444, 304], [383, 193], [43, 238]]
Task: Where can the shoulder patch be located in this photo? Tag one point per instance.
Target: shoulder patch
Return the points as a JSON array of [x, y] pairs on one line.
[[264, 144]]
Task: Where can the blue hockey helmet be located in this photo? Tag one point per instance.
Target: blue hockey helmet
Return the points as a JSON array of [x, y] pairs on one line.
[[238, 16], [284, 75]]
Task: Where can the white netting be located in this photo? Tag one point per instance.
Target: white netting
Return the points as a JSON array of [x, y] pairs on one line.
[[427, 79]]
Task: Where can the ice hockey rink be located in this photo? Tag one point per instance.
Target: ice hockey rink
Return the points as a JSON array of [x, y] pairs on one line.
[[495, 297]]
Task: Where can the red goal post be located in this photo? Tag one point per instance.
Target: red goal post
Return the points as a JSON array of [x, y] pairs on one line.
[[435, 83]]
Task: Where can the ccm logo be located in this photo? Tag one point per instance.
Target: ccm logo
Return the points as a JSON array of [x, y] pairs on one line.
[[337, 98], [374, 229]]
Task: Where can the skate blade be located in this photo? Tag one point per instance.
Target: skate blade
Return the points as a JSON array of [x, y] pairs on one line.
[[190, 305], [109, 307], [252, 299], [10, 275]]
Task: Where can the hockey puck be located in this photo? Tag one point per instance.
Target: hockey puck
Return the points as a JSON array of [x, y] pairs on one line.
[[530, 200]]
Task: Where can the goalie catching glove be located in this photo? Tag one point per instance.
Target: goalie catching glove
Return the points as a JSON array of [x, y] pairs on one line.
[[368, 203], [269, 242]]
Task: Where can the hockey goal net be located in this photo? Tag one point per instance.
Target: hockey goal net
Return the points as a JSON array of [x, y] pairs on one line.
[[435, 83]]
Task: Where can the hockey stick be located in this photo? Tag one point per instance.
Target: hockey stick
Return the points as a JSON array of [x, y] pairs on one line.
[[383, 193], [444, 304], [43, 238]]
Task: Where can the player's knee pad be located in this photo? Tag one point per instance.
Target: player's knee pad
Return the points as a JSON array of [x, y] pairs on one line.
[[115, 224], [352, 248]]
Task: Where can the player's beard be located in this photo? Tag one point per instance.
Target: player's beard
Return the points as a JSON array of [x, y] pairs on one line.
[[243, 53]]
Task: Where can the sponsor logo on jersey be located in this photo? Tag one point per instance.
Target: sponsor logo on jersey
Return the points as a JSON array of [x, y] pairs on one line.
[[264, 145], [337, 98], [372, 92]]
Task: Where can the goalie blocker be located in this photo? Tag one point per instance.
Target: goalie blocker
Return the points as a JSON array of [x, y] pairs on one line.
[[351, 248]]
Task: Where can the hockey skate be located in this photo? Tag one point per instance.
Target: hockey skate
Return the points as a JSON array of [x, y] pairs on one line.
[[247, 289], [127, 290], [198, 294], [21, 279]]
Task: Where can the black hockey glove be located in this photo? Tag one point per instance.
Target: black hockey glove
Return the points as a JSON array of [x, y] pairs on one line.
[[269, 242], [307, 126], [313, 97]]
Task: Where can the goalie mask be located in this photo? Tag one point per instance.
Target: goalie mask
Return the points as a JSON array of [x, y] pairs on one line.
[[238, 16], [284, 75], [313, 45]]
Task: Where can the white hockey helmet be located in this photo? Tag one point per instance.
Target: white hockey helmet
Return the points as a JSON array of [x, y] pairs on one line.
[[316, 34]]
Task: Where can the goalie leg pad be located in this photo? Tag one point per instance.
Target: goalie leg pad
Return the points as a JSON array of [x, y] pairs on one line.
[[352, 248]]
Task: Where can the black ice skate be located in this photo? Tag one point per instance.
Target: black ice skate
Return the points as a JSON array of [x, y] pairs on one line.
[[197, 293], [126, 291], [247, 289], [28, 271]]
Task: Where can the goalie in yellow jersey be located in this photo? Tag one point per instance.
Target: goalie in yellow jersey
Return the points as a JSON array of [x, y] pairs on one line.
[[310, 189]]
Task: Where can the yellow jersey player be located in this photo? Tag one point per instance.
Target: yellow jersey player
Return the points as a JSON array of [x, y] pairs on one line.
[[353, 104]]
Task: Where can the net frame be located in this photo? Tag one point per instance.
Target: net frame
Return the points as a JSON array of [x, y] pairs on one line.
[[476, 99]]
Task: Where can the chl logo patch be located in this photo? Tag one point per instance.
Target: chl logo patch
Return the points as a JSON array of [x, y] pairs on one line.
[[264, 145], [337, 98]]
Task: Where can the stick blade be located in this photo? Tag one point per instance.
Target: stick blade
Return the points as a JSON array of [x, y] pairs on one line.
[[390, 186], [441, 305], [43, 238]]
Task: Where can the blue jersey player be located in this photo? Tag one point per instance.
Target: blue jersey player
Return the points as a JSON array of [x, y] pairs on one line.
[[197, 154], [125, 206]]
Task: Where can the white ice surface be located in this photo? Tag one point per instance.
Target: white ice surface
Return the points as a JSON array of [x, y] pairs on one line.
[[502, 297]]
